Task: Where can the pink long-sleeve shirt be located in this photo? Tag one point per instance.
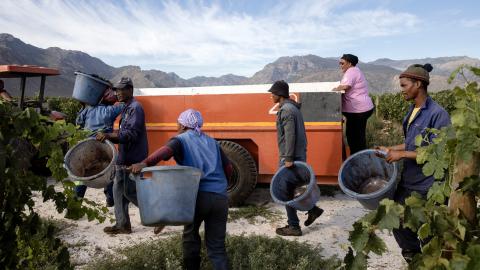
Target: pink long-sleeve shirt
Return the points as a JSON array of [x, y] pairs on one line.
[[356, 99]]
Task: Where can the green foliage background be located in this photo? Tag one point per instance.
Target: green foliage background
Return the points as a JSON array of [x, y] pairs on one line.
[[32, 147], [66, 105], [393, 106], [244, 252]]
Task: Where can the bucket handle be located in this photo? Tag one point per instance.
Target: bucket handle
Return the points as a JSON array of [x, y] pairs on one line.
[[135, 177], [381, 153]]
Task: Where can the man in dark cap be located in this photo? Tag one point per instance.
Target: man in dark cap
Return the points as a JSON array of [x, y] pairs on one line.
[[292, 146], [133, 148], [423, 114]]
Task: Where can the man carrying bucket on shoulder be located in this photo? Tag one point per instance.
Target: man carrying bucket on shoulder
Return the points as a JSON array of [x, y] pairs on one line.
[[423, 114], [99, 118], [192, 147], [292, 146], [133, 147]]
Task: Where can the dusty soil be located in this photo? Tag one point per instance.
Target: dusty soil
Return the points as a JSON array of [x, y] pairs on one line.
[[86, 240]]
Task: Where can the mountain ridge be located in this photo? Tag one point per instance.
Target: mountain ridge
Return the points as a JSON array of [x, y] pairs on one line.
[[382, 74]]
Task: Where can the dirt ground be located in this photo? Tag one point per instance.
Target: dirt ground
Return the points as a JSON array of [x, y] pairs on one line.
[[86, 240]]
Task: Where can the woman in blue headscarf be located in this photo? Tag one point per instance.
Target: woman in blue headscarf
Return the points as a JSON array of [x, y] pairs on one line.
[[192, 147]]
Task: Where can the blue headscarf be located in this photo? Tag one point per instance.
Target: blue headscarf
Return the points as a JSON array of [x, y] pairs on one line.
[[191, 119]]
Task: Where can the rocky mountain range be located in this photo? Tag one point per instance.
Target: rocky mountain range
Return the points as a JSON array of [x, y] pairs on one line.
[[382, 74]]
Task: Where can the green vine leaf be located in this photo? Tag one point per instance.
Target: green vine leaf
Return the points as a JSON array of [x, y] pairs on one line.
[[436, 194], [355, 262], [475, 70], [459, 262], [415, 215], [393, 212], [473, 251], [424, 231], [375, 244], [359, 236]]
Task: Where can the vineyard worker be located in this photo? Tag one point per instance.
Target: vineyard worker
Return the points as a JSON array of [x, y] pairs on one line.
[[192, 147], [3, 93], [133, 147], [423, 114], [292, 146], [99, 118], [357, 106]]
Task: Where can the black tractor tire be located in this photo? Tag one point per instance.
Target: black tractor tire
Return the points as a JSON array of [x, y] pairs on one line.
[[244, 175]]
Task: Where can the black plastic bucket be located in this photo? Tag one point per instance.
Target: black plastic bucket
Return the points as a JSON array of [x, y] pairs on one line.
[[286, 179]]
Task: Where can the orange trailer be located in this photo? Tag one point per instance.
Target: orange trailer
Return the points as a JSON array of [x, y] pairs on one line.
[[242, 119]]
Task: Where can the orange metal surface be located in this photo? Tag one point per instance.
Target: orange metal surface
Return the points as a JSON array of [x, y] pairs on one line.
[[245, 119], [27, 70]]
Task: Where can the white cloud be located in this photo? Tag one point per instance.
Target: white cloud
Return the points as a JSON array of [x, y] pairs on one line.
[[473, 23], [195, 34]]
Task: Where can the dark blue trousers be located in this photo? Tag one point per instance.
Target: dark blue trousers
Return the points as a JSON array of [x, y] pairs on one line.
[[108, 190], [211, 208], [124, 192]]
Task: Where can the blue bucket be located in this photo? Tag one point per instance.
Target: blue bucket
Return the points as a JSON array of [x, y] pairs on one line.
[[286, 180], [366, 168], [88, 89], [169, 196]]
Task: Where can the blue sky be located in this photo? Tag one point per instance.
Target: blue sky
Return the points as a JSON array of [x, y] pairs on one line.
[[212, 38]]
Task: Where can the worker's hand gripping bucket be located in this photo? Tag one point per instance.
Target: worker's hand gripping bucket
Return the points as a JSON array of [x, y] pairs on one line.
[[91, 162], [169, 196], [296, 187], [368, 177]]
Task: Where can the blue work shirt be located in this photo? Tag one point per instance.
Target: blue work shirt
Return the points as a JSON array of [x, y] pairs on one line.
[[99, 117], [132, 135], [430, 115]]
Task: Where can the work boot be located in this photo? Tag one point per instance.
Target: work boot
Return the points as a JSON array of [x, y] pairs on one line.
[[313, 214], [117, 230], [158, 229], [289, 231], [409, 254], [109, 202]]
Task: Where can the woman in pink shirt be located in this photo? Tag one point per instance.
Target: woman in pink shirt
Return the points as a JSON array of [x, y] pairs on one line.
[[357, 106]]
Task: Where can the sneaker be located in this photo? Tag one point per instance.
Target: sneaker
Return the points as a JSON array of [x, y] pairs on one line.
[[158, 229], [289, 231], [409, 254], [313, 214], [117, 230]]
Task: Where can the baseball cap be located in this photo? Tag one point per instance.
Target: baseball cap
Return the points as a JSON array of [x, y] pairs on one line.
[[124, 82]]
